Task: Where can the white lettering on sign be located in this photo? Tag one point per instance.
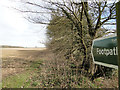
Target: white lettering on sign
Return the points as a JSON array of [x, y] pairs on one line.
[[107, 52], [114, 40]]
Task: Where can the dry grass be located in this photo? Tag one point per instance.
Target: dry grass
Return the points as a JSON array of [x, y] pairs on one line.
[[16, 60], [19, 52]]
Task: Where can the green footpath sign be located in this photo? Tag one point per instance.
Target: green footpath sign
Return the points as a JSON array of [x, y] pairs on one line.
[[104, 51]]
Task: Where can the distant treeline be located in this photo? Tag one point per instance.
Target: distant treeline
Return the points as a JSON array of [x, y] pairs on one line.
[[7, 46]]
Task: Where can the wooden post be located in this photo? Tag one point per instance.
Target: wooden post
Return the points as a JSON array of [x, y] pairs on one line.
[[118, 37]]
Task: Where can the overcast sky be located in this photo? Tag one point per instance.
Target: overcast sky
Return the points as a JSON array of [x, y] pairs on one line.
[[17, 31]]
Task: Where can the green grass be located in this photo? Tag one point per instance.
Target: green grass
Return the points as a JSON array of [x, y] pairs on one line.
[[0, 85], [16, 81], [23, 80], [36, 64]]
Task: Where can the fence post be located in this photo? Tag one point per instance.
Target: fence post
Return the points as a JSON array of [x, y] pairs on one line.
[[118, 38]]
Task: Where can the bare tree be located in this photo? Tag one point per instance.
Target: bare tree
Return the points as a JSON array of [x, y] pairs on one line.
[[95, 13]]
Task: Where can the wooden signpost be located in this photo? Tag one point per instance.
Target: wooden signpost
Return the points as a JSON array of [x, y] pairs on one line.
[[118, 37]]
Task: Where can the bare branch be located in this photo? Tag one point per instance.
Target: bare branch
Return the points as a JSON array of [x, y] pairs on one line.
[[28, 11]]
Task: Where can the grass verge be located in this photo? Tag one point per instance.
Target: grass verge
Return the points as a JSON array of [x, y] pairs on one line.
[[24, 79]]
